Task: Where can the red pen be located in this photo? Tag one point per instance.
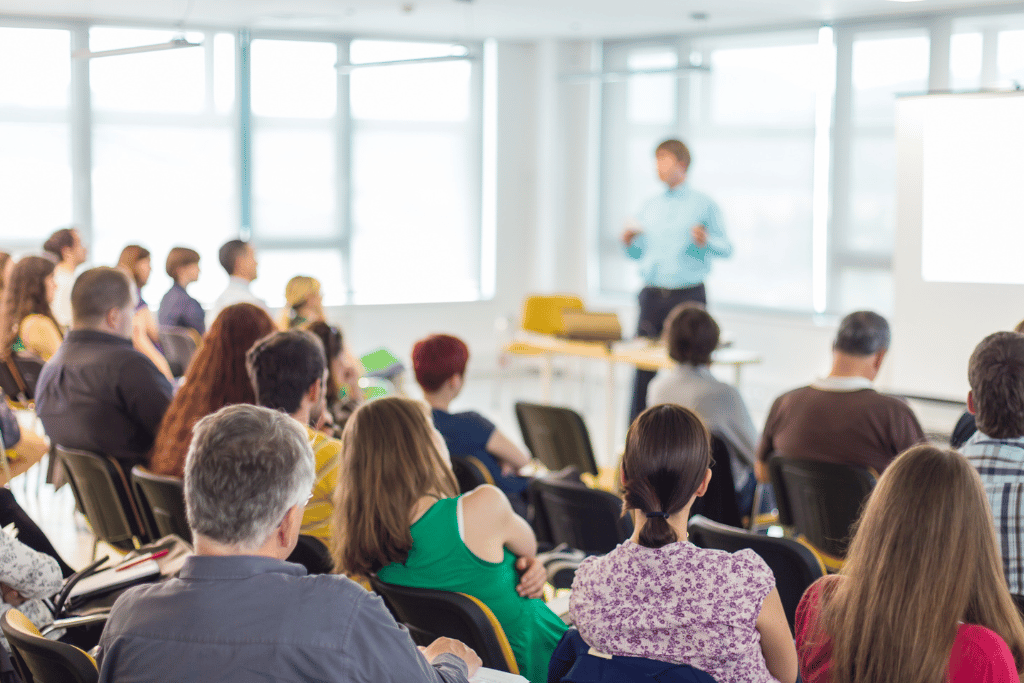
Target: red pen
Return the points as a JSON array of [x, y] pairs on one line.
[[144, 558]]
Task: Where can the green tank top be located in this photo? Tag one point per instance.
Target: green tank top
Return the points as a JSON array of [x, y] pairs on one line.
[[440, 560]]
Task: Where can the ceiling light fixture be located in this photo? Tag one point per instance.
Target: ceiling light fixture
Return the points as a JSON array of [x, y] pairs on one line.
[[173, 44]]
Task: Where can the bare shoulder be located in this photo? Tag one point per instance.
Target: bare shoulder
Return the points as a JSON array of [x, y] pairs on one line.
[[485, 501]]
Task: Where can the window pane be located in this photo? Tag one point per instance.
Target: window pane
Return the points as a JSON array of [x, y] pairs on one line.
[[163, 186], [224, 72], [865, 289], [35, 179], [1011, 58], [165, 81], [413, 92], [871, 226], [884, 67], [764, 86], [965, 61], [46, 82], [652, 98], [277, 266], [293, 182], [424, 231], [294, 79], [363, 51]]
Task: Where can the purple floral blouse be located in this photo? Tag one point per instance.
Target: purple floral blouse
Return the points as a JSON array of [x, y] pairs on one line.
[[678, 603]]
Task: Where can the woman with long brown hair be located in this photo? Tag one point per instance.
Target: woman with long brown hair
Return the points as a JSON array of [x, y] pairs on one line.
[[921, 597], [398, 513], [217, 377], [659, 596], [136, 263], [26, 321]]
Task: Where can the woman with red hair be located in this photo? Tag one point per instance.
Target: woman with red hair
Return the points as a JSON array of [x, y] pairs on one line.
[[217, 377], [440, 365]]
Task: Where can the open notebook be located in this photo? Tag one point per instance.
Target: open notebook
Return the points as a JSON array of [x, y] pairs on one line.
[[485, 675]]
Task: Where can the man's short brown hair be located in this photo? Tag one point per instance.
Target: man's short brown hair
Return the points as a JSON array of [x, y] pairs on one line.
[[179, 257], [96, 291], [691, 334], [677, 149], [996, 376]]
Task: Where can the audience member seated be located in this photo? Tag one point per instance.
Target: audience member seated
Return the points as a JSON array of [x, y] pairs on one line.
[[27, 578], [966, 426], [216, 378], [343, 371], [136, 264], [98, 393], [289, 373], [68, 251], [398, 514], [239, 261], [996, 399], [237, 611], [691, 335], [921, 596], [26, 320], [659, 596], [304, 303], [178, 308], [24, 448], [841, 418], [439, 362]]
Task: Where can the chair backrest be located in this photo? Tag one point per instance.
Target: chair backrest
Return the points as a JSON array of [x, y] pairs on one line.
[[179, 346], [105, 497], [795, 566], [557, 437], [40, 660], [573, 661], [18, 376], [586, 519], [719, 501], [312, 554], [162, 502], [820, 500], [430, 614], [470, 472], [543, 313]]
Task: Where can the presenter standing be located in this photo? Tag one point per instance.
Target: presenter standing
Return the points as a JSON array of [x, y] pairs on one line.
[[674, 237]]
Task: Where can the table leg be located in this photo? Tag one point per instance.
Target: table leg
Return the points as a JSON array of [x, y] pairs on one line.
[[609, 415], [546, 374]]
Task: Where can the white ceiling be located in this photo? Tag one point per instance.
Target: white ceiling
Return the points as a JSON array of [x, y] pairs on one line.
[[489, 18]]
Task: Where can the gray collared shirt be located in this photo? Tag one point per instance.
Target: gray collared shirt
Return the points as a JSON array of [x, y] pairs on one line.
[[243, 619]]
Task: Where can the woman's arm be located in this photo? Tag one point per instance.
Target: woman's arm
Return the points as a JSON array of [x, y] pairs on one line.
[[144, 345], [776, 639], [490, 525], [40, 336], [29, 572], [507, 453]]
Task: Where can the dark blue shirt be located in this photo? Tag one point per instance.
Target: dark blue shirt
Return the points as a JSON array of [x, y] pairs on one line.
[[467, 434], [178, 309]]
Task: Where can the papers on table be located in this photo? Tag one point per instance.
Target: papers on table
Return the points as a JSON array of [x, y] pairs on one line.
[[485, 675], [112, 579]]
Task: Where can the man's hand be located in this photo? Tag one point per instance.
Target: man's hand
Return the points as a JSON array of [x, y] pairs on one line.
[[699, 235], [533, 578], [629, 234], [451, 646], [11, 596]]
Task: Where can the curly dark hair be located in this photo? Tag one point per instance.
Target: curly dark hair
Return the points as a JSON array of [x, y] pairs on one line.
[[216, 378], [24, 295]]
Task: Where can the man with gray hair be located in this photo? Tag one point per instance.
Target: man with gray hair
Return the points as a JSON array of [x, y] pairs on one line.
[[237, 611], [841, 418]]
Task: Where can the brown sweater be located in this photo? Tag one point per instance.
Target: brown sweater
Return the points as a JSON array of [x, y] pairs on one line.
[[861, 427]]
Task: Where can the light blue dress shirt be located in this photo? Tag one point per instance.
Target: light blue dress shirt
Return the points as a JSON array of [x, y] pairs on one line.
[[665, 249]]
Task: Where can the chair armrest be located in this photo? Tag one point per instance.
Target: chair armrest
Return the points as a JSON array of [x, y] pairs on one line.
[[72, 622]]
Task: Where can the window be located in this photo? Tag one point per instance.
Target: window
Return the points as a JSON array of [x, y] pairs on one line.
[[163, 151], [35, 167]]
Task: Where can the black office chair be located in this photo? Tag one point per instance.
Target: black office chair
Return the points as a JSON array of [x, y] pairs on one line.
[[719, 501], [179, 346], [430, 614], [794, 564], [18, 377], [583, 518], [105, 497], [557, 437], [821, 501], [161, 501], [37, 659], [470, 472], [312, 554]]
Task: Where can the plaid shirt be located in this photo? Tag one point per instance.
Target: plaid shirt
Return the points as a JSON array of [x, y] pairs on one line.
[[1000, 462]]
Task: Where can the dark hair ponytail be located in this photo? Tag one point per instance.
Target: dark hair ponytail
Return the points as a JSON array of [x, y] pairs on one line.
[[668, 451]]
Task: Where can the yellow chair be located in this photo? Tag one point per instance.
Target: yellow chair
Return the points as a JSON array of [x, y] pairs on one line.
[[543, 314], [40, 660]]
